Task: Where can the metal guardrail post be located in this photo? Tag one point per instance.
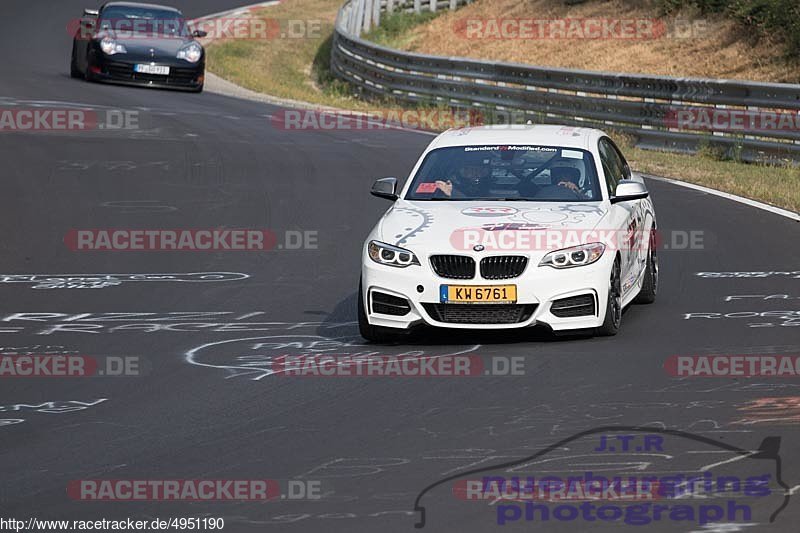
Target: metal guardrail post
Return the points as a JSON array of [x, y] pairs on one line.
[[367, 15], [359, 16], [376, 13]]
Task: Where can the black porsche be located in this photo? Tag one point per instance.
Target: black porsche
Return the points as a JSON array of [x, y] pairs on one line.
[[138, 44]]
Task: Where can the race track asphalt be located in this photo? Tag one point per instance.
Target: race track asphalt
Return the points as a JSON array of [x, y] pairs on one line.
[[203, 412]]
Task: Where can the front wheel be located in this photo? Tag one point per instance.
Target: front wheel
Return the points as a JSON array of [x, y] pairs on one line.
[[613, 316], [647, 294], [74, 71], [376, 334]]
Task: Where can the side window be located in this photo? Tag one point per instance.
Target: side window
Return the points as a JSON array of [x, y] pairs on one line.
[[626, 169], [613, 164]]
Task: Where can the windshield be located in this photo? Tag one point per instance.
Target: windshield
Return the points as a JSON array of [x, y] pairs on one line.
[[140, 20], [506, 172]]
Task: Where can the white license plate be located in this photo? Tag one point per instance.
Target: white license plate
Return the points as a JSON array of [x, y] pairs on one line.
[[152, 69]]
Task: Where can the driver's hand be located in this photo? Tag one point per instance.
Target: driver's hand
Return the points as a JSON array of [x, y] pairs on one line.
[[569, 185], [445, 186]]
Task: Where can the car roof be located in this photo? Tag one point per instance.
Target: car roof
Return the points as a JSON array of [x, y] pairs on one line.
[[142, 5], [502, 134]]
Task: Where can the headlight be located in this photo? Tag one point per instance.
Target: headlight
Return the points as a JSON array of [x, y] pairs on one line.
[[585, 254], [110, 47], [191, 53], [386, 254]]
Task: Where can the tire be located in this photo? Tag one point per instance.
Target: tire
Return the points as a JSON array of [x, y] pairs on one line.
[[376, 334], [74, 71], [613, 317], [647, 294]]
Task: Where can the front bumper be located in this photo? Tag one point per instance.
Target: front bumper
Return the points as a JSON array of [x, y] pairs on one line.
[[537, 288], [120, 69]]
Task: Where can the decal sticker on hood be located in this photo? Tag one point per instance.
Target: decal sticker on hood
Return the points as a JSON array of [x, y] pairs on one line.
[[418, 221], [434, 223]]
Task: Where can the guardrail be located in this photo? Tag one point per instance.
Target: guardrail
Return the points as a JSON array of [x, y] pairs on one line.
[[661, 112]]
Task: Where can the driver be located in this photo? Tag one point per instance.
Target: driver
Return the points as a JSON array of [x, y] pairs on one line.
[[471, 178], [569, 178]]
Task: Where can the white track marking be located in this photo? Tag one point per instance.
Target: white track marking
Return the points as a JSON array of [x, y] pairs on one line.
[[740, 199]]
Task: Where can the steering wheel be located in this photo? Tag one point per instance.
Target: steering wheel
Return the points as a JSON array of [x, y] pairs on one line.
[[554, 192]]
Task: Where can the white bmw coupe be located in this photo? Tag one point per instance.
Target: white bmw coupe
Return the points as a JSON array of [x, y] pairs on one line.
[[509, 227]]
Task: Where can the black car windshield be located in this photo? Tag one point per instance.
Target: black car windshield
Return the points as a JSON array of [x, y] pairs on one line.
[[506, 172], [143, 21]]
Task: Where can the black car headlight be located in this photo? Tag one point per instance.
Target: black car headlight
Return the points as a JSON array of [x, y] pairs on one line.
[[110, 47], [386, 254], [585, 254], [191, 52]]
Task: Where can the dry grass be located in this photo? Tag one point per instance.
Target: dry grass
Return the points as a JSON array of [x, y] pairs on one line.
[[719, 49]]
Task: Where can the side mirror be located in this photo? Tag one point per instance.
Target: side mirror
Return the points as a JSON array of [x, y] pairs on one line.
[[628, 190], [385, 188], [199, 33], [91, 13]]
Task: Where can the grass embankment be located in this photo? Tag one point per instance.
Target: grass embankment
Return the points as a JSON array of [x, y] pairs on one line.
[[689, 37], [298, 68], [294, 68]]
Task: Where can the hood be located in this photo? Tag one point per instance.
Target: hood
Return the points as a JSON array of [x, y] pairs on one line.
[[439, 227]]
